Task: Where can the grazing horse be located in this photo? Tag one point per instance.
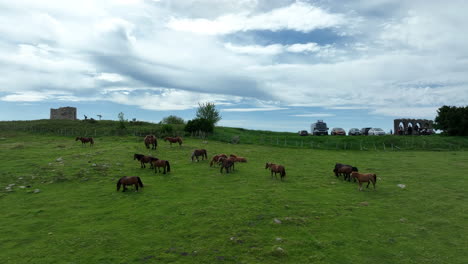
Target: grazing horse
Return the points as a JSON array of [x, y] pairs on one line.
[[226, 164], [367, 177], [174, 140], [85, 140], [144, 159], [135, 180], [237, 158], [199, 152], [157, 164], [215, 159], [345, 170], [276, 169], [151, 140]]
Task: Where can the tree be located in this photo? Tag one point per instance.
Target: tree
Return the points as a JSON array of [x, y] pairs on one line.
[[122, 120], [100, 116], [199, 124], [208, 111], [452, 120], [173, 120]]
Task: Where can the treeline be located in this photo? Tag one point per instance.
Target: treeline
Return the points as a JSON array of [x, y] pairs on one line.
[[452, 120]]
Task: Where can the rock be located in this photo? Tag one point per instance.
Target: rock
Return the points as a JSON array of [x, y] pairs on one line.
[[20, 178], [277, 221], [364, 204], [59, 159], [94, 164], [403, 220], [278, 239], [37, 190], [22, 187], [401, 185], [11, 185], [278, 251]]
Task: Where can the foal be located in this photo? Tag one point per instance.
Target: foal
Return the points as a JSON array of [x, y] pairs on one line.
[[367, 177], [276, 169]]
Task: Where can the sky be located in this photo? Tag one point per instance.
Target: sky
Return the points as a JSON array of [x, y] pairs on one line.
[[275, 65]]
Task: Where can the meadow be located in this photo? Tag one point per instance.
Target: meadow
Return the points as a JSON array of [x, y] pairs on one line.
[[63, 206]]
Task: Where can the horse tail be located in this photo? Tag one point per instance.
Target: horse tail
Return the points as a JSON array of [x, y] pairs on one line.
[[375, 178], [91, 141], [139, 182], [283, 173], [193, 154], [168, 166], [180, 141]]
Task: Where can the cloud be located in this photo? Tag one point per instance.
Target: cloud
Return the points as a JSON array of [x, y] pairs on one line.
[[298, 16], [314, 115], [258, 109], [273, 49]]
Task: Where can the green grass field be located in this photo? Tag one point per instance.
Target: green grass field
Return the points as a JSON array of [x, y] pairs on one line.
[[197, 215]]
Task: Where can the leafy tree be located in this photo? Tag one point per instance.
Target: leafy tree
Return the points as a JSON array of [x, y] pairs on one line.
[[122, 120], [452, 120], [199, 124], [208, 111], [173, 120]]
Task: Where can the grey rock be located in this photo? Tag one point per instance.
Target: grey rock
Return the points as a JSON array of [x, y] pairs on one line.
[[276, 220], [37, 191]]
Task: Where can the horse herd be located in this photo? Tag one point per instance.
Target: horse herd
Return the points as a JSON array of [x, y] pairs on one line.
[[225, 163]]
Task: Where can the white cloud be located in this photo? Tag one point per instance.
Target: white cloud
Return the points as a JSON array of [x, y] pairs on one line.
[[273, 49], [253, 109], [314, 115], [110, 77], [298, 16]]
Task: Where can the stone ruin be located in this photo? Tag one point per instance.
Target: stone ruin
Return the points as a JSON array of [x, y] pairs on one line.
[[413, 126], [63, 113]]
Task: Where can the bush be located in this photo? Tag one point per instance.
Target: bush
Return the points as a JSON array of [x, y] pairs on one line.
[[199, 124]]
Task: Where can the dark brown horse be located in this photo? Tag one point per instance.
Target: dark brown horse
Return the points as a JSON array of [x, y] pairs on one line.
[[345, 170], [85, 140], [144, 159], [227, 164], [151, 140], [158, 164], [276, 169], [135, 180], [367, 177], [215, 159], [174, 140], [199, 152]]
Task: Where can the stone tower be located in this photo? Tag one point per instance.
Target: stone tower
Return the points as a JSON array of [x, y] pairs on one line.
[[63, 113]]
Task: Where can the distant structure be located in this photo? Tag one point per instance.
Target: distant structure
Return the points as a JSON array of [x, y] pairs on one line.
[[63, 113], [412, 126]]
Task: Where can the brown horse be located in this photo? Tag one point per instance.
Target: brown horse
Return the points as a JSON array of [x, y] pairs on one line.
[[151, 140], [227, 164], [85, 140], [174, 140], [215, 159], [345, 170], [135, 180], [144, 159], [276, 169], [367, 177], [157, 164], [199, 152]]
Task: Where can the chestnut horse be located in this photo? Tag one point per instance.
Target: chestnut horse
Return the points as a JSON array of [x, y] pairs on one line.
[[199, 152], [157, 164], [276, 169], [151, 140], [215, 159], [226, 163], [174, 140], [85, 140], [144, 159], [367, 177], [237, 158], [135, 180]]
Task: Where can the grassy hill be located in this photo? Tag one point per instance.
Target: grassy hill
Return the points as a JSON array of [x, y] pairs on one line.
[[243, 136], [197, 215]]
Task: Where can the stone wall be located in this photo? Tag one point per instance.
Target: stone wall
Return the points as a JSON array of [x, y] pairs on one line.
[[63, 113]]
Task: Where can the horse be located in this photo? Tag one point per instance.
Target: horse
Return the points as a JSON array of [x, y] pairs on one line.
[[226, 164], [157, 164], [343, 169], [276, 169], [85, 140], [151, 140], [367, 177], [237, 158], [174, 140], [199, 152], [215, 159], [129, 181], [144, 159]]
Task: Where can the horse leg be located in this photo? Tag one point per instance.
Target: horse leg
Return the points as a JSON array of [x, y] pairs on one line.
[[124, 188], [164, 172], [360, 186], [136, 186]]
